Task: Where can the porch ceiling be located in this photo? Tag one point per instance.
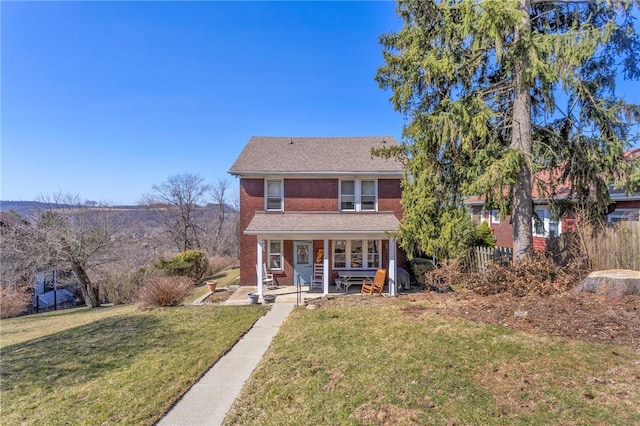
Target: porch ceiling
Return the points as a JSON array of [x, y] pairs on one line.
[[323, 224]]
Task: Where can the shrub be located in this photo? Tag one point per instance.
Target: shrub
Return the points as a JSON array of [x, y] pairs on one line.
[[483, 236], [444, 278], [164, 291], [121, 284], [190, 263], [13, 301], [419, 268]]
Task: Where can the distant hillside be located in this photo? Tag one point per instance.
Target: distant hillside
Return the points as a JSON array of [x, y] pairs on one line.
[[23, 208], [26, 208]]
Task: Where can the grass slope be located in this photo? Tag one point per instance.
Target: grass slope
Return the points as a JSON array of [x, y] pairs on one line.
[[387, 365], [115, 365]]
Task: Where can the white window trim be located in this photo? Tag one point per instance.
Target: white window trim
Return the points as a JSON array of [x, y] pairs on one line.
[[279, 254], [266, 195], [365, 255], [495, 216], [357, 190], [484, 216], [623, 215], [546, 221]]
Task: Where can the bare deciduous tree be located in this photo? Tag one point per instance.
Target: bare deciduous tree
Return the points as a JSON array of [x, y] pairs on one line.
[[69, 234], [176, 203]]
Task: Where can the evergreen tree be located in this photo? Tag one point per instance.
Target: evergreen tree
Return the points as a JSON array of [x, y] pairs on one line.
[[495, 91]]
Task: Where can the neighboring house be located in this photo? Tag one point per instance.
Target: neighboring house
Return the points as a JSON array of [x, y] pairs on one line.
[[317, 202], [623, 207]]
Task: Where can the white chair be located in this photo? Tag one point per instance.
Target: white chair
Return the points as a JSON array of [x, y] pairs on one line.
[[317, 279], [267, 279]]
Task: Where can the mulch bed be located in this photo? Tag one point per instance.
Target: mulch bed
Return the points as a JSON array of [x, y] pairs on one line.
[[219, 296], [583, 316]]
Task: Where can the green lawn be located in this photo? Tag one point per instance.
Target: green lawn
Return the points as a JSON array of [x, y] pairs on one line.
[[110, 365], [387, 365]]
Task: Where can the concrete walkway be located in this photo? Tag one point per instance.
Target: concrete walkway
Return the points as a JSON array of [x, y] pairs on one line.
[[209, 400]]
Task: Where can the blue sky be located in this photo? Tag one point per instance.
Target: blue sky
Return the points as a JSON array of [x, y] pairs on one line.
[[106, 99]]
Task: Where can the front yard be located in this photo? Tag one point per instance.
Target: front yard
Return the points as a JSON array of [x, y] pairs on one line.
[[111, 365], [422, 358], [413, 360]]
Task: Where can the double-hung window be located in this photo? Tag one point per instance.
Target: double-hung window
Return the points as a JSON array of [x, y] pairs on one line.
[[358, 195], [368, 195], [348, 195], [275, 255], [274, 199], [544, 225], [495, 216]]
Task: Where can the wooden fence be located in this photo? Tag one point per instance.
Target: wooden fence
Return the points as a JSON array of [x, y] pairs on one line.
[[480, 256], [613, 247]]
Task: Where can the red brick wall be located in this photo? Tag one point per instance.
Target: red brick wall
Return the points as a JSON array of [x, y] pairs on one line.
[[503, 231], [311, 195], [251, 200], [539, 244], [301, 195], [389, 194], [631, 204]]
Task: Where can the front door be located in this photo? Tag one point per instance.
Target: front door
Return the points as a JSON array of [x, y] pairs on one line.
[[302, 262]]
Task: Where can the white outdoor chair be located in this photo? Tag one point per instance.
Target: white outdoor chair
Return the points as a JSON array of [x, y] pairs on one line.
[[267, 279]]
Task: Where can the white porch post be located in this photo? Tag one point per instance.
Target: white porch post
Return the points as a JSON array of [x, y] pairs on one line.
[[392, 267], [325, 268], [259, 247]]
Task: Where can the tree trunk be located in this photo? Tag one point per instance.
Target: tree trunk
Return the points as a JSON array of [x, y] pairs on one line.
[[89, 291], [522, 210]]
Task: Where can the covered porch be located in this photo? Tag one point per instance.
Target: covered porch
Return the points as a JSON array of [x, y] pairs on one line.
[[314, 249]]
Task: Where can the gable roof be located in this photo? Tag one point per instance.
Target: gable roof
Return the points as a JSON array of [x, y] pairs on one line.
[[315, 155]]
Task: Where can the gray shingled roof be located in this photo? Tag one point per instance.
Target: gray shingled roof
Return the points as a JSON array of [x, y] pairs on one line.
[[303, 155], [322, 223]]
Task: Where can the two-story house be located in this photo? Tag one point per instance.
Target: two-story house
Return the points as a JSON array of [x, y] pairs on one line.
[[311, 204]]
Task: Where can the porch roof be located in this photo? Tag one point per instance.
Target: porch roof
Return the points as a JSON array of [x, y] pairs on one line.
[[322, 224]]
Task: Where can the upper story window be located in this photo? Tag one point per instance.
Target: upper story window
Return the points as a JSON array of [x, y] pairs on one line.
[[348, 195], [358, 195], [544, 225], [274, 195]]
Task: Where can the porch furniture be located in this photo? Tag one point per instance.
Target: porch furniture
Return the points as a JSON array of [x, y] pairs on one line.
[[377, 285], [317, 277], [340, 285], [355, 276], [266, 278]]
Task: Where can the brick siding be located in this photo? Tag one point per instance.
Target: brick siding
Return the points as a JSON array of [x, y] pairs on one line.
[[302, 195]]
